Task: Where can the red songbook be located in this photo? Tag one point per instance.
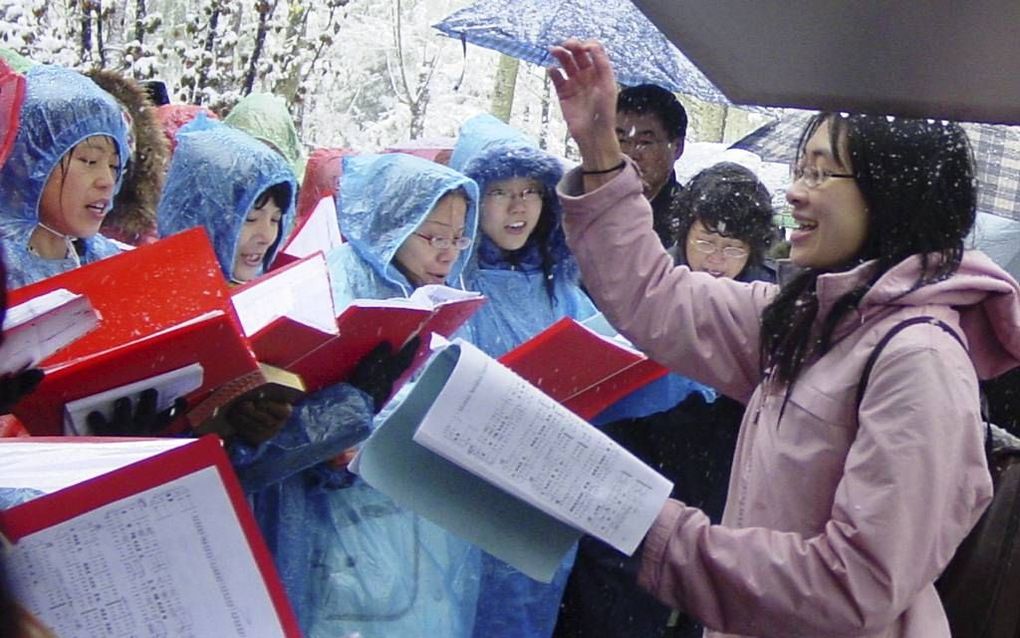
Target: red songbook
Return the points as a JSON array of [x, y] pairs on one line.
[[290, 320], [583, 370], [137, 537], [163, 307]]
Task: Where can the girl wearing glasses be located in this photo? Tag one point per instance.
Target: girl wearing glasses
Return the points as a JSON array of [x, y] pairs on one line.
[[524, 268], [839, 516], [361, 564]]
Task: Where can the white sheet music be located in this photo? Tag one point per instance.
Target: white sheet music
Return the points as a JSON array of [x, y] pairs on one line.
[[301, 292], [494, 424], [169, 561], [37, 328]]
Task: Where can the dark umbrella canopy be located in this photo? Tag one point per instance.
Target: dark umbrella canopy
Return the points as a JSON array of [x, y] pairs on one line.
[[525, 29]]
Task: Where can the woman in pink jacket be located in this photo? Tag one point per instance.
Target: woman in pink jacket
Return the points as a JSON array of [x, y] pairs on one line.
[[838, 519]]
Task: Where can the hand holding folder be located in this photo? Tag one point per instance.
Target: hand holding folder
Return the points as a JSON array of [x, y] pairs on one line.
[[165, 310]]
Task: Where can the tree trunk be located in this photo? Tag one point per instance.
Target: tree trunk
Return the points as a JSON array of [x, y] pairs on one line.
[[100, 44], [543, 130], [265, 10], [419, 106], [503, 90], [86, 31], [140, 14], [207, 58]]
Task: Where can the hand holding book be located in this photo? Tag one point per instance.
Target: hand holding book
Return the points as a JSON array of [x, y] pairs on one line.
[[378, 370], [141, 419]]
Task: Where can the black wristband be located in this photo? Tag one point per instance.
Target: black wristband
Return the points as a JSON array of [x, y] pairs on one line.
[[608, 170]]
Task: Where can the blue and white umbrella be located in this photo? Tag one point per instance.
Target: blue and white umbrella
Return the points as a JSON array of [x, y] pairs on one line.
[[525, 29]]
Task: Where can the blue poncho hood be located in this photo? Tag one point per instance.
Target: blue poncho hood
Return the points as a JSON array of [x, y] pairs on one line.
[[216, 174], [61, 108], [489, 150], [382, 200]]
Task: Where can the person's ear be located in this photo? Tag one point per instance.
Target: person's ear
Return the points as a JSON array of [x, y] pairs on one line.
[[678, 148]]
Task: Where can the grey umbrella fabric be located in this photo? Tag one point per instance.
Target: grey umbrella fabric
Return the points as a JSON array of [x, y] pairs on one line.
[[525, 29]]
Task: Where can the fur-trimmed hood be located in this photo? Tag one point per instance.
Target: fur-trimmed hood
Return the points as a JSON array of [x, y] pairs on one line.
[[133, 216]]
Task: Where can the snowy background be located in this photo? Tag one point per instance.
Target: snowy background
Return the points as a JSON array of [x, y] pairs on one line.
[[362, 74]]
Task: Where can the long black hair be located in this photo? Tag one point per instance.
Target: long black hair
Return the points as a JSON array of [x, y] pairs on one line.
[[917, 180]]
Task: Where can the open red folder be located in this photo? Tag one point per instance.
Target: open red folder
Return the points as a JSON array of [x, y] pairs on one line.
[[148, 537], [290, 320], [584, 371], [163, 307]]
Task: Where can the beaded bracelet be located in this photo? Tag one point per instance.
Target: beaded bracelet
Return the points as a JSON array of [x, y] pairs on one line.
[[608, 170]]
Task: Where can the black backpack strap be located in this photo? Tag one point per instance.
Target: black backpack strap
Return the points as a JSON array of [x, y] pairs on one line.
[[906, 323]]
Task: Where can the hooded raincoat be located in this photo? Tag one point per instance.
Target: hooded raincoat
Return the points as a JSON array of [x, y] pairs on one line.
[[266, 118], [61, 109], [382, 199], [216, 174], [522, 301], [837, 520], [377, 568]]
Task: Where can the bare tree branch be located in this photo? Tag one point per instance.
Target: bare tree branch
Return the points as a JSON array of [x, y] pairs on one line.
[[265, 11]]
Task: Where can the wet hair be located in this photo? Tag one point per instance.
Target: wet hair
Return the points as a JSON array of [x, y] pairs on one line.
[[650, 98], [280, 194], [728, 199], [918, 184], [541, 237]]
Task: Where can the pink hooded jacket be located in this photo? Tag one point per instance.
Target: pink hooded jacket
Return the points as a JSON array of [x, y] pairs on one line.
[[833, 526]]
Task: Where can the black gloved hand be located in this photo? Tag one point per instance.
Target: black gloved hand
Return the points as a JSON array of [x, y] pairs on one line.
[[145, 421], [375, 373], [258, 420], [15, 386]]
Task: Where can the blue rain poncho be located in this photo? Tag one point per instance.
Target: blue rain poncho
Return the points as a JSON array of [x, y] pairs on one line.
[[525, 296], [215, 175], [61, 109], [382, 199], [376, 568]]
